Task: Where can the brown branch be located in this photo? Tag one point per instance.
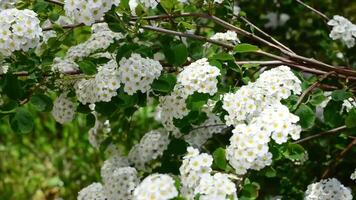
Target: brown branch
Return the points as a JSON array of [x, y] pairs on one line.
[[332, 165], [59, 3], [329, 132], [326, 18], [311, 88]]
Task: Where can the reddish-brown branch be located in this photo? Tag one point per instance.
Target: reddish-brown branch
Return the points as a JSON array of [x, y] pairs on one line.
[[329, 132], [332, 165], [326, 18]]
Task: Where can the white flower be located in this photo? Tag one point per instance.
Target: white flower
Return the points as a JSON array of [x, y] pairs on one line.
[[6, 4], [151, 146], [217, 187], [157, 187], [228, 36], [275, 20], [200, 77], [101, 88], [63, 109], [87, 12], [343, 30], [353, 175], [328, 189], [20, 30], [92, 192], [3, 68], [138, 73]]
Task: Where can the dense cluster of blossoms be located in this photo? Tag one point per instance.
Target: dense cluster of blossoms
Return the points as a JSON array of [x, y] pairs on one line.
[[94, 191], [200, 77], [249, 144], [63, 109], [6, 4], [257, 114], [101, 88], [156, 186], [138, 73], [101, 38], [328, 189], [151, 146], [87, 12], [343, 30], [196, 178], [228, 36], [20, 30], [250, 100]]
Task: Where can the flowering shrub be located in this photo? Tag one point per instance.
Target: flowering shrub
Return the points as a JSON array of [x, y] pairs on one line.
[[185, 100]]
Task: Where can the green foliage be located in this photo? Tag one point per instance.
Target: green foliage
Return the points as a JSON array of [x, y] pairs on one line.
[[306, 116]]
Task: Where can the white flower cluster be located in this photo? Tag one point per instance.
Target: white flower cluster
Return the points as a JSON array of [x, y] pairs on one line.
[[200, 77], [88, 11], [119, 185], [138, 73], [248, 102], [196, 178], [328, 189], [217, 187], [110, 165], [145, 3], [257, 114], [63, 109], [343, 30], [64, 65], [248, 147], [101, 88], [94, 191], [3, 68], [20, 30], [353, 175], [157, 187], [6, 4], [151, 146], [275, 20], [348, 104], [171, 107], [228, 36], [100, 39]]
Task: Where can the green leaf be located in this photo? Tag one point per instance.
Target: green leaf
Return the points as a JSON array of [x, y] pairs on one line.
[[306, 116], [270, 172], [42, 102], [340, 95], [293, 151], [12, 87], [249, 191], [88, 67], [168, 5], [197, 100], [245, 48], [21, 121], [223, 56], [114, 22], [350, 120], [332, 116], [220, 158], [180, 53], [165, 83], [317, 98]]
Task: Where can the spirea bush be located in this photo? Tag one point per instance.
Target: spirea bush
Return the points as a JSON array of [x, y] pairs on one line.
[[235, 106]]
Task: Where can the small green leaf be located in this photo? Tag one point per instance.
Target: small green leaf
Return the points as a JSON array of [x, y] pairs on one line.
[[340, 95], [270, 172], [196, 101], [332, 116], [180, 52], [245, 48], [223, 56], [12, 87], [88, 67], [249, 191], [21, 121], [165, 83], [220, 158], [306, 116], [350, 120], [42, 102], [317, 98], [294, 151]]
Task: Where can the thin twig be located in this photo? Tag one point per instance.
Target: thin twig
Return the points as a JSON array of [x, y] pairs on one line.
[[326, 18], [329, 132], [311, 88], [266, 34], [332, 165], [55, 2]]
